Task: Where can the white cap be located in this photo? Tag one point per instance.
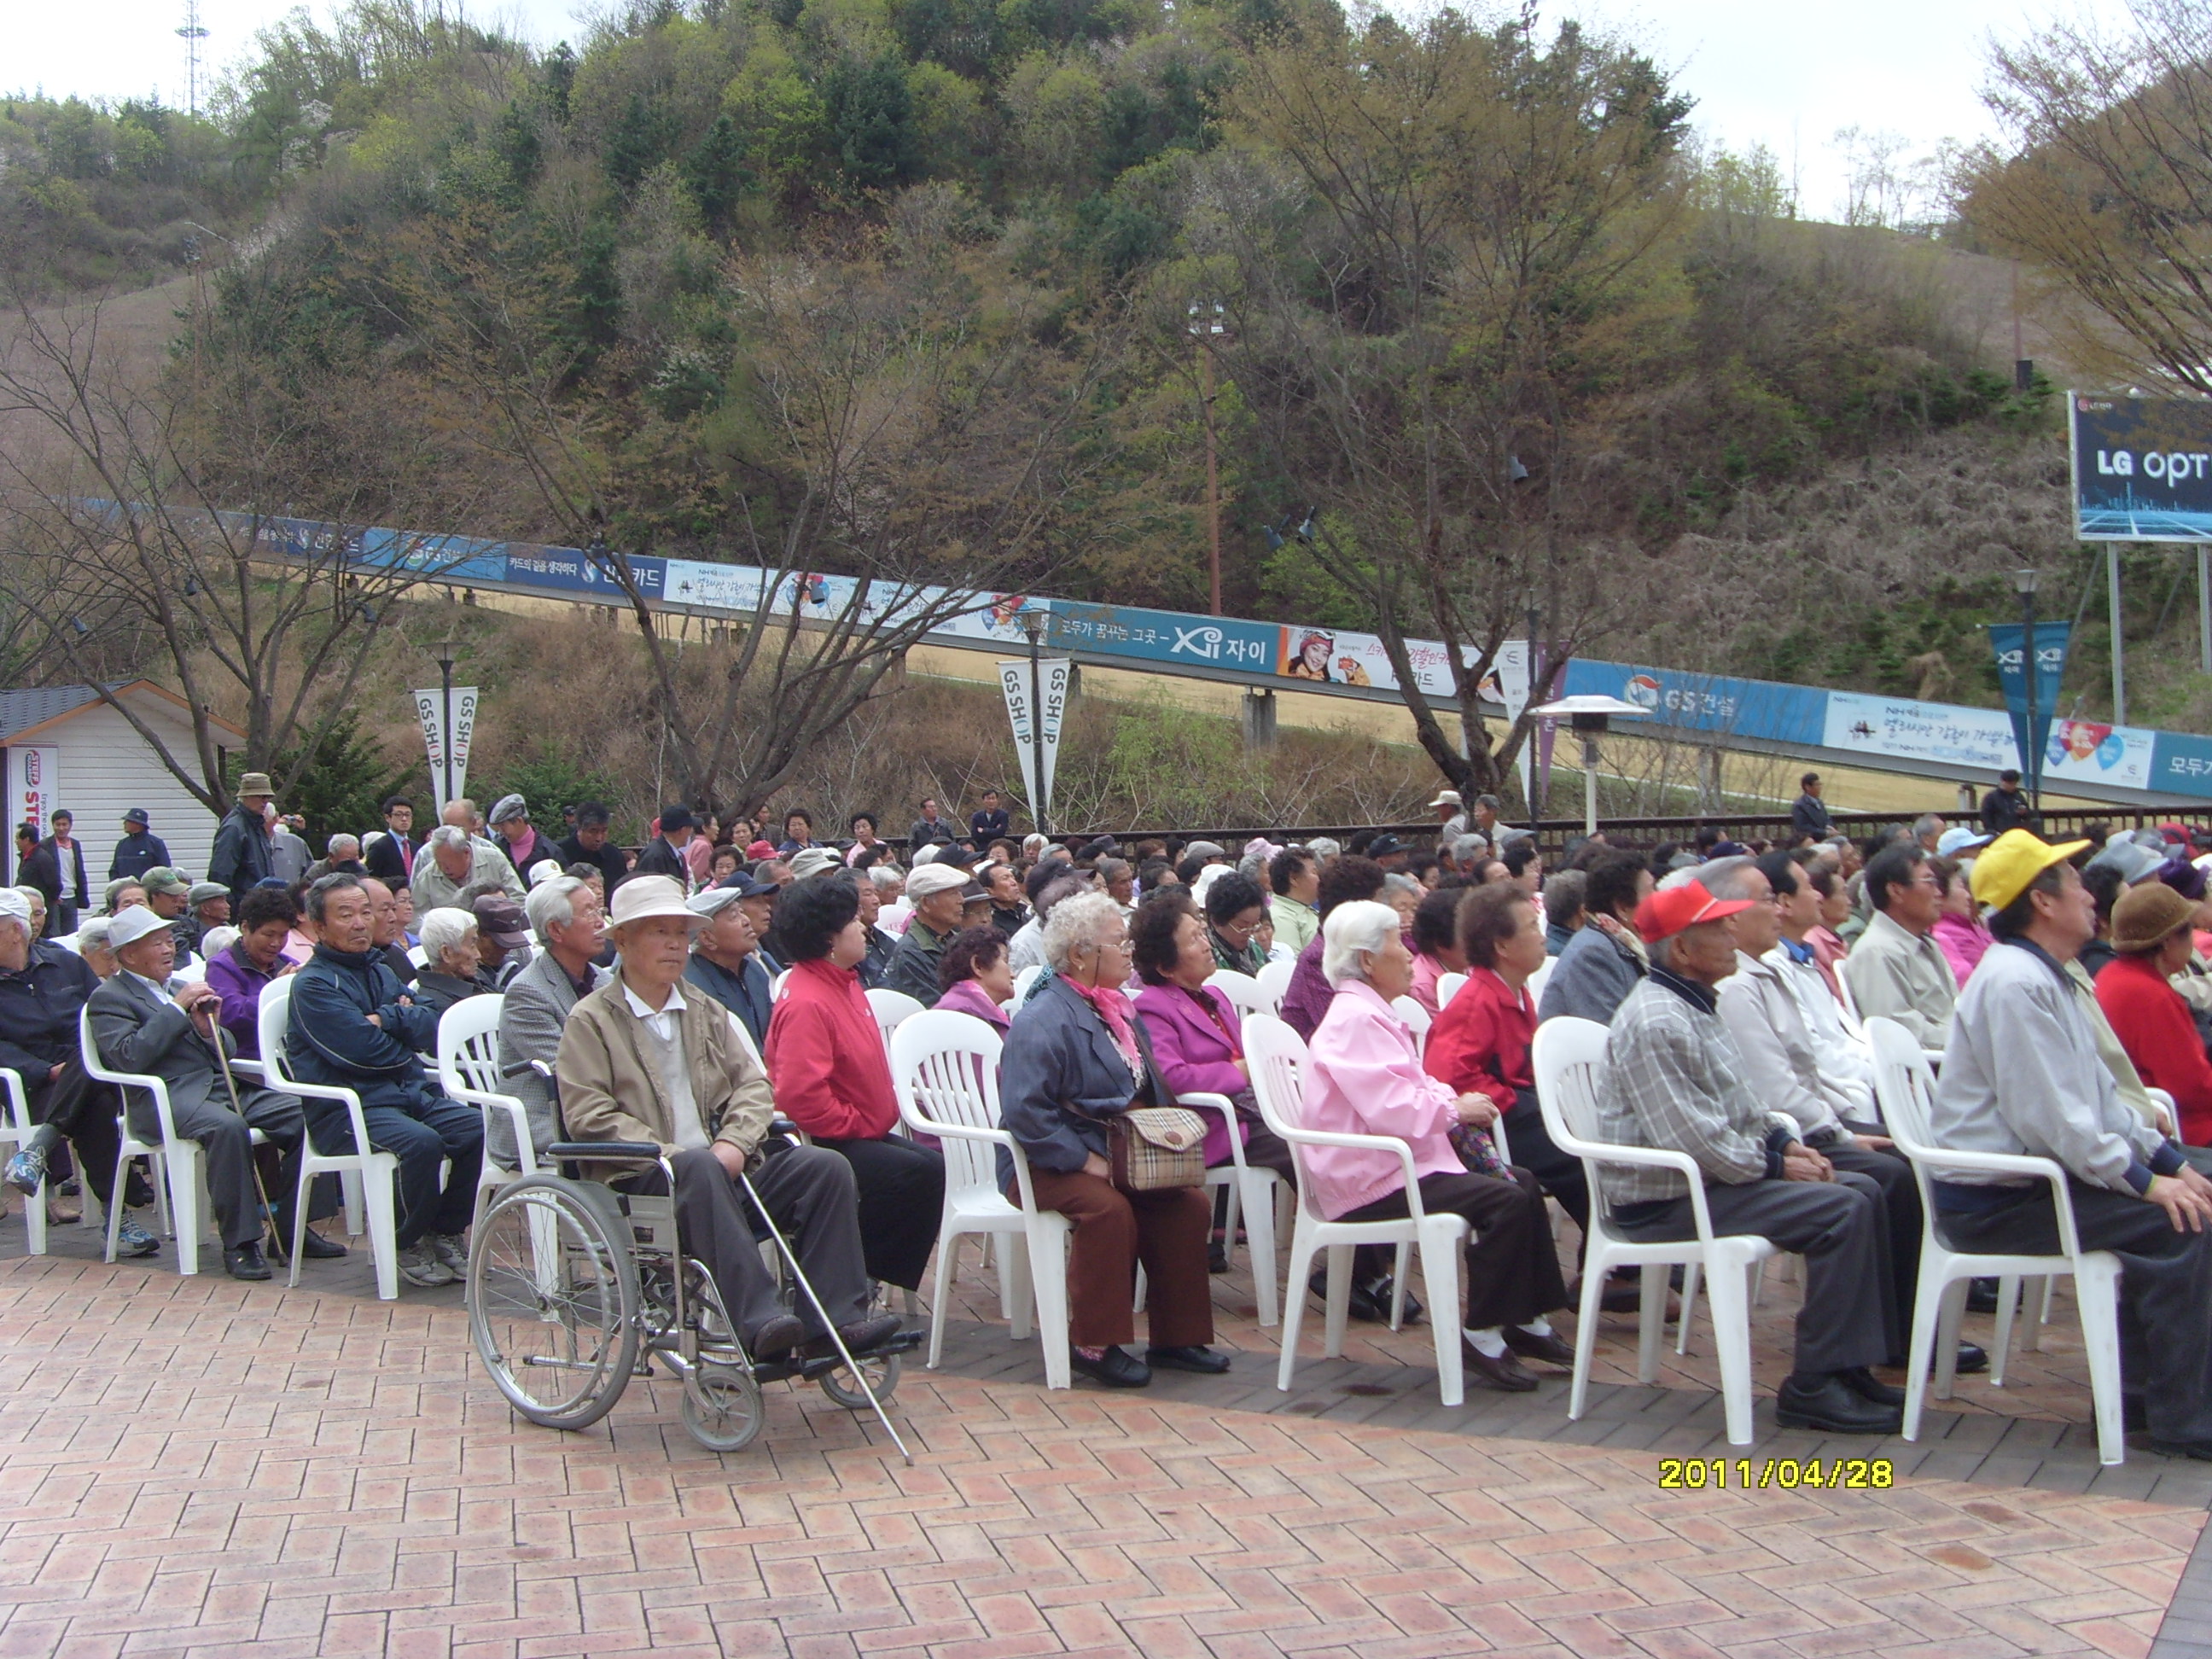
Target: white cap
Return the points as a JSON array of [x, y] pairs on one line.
[[129, 927], [13, 907], [934, 878], [642, 897]]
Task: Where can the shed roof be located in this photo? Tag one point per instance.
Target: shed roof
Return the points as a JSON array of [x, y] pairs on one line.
[[24, 712]]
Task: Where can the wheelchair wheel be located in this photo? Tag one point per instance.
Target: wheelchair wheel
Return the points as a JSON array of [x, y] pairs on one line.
[[722, 1407], [553, 1302], [882, 1371]]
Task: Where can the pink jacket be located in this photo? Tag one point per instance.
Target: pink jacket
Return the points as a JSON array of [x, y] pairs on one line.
[[1964, 940], [1365, 1076]]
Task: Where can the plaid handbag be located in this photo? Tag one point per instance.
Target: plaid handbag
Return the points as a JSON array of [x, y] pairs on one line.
[[1153, 1147]]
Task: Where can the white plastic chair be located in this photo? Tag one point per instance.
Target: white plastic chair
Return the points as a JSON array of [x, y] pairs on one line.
[[1023, 981], [892, 1009], [468, 1071], [1274, 982], [1907, 1088], [1569, 1063], [1243, 991], [1416, 1017], [1278, 1059], [944, 1069], [176, 1163], [1252, 1192], [779, 985], [1540, 979], [16, 1130], [372, 1174], [1448, 986]]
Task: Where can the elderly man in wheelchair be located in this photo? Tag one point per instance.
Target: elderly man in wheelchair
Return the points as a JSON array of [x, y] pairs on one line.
[[679, 1177]]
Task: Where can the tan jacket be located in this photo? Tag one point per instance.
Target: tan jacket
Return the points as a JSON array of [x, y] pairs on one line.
[[610, 1087]]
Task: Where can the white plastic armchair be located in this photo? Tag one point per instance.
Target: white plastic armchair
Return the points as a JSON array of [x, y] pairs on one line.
[[1252, 1192], [944, 1070], [1907, 1088], [1570, 1062], [1274, 982], [891, 1009], [175, 1162], [1278, 1059], [1448, 986], [373, 1174], [16, 1130], [1243, 991], [469, 1072]]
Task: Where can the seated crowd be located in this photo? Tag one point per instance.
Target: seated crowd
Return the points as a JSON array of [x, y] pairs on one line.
[[2063, 993]]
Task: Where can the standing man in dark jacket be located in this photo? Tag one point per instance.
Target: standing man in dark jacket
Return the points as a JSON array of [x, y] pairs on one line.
[[243, 852], [1808, 813], [590, 845], [726, 959], [35, 867], [989, 822], [664, 854], [140, 849], [928, 829], [354, 1026], [391, 859], [68, 860], [2005, 808]]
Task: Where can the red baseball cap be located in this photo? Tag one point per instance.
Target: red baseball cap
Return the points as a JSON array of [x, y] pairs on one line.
[[1670, 910]]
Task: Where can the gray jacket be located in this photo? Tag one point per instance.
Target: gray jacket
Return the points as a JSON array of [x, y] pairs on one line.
[[1762, 1015], [135, 1031], [2022, 1074], [1062, 1075], [1591, 977], [1902, 976], [539, 1001]]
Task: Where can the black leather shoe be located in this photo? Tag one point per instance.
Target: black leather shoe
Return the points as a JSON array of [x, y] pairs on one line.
[[1504, 1373], [244, 1261], [1204, 1361], [779, 1333], [1371, 1302], [1981, 1296], [314, 1247], [1527, 1344], [1824, 1402], [1865, 1384], [1217, 1257], [1972, 1358], [1116, 1368], [862, 1335]]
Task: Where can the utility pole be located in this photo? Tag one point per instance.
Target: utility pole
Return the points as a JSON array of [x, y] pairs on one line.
[[1206, 330], [192, 34]]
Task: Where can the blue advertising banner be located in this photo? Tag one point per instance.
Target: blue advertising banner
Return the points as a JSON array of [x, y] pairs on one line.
[[2181, 764], [2050, 642], [1166, 637], [1705, 703], [570, 570], [2142, 468]]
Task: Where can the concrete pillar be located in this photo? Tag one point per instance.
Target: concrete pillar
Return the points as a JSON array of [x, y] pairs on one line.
[[1258, 718]]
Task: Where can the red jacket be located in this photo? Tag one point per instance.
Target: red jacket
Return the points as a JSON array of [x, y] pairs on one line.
[[1479, 1043], [2155, 1026], [825, 1056]]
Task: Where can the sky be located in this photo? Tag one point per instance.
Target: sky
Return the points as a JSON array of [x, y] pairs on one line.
[[1786, 73]]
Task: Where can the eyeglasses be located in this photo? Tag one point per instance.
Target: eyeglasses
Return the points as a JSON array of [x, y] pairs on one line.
[[1242, 929]]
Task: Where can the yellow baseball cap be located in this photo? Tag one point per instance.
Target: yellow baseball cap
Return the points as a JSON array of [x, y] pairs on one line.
[[2003, 869]]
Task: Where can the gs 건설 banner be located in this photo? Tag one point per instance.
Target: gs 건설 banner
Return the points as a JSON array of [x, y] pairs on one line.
[[2142, 468]]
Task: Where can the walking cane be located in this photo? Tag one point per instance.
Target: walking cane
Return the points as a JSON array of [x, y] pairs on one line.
[[213, 1033]]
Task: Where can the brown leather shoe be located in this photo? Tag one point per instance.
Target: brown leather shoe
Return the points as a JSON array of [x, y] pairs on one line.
[[1504, 1373], [1548, 1348]]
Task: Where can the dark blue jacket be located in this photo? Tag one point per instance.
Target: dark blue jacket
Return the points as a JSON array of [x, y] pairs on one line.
[[1060, 1074], [745, 993], [136, 854], [38, 1009], [243, 855], [330, 1040], [988, 825]]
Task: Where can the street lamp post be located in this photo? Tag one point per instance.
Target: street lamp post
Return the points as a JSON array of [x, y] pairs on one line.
[[1033, 624], [2024, 583], [447, 649], [1207, 325], [1591, 716]]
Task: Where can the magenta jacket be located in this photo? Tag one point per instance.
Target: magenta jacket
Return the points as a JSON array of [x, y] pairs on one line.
[[1964, 940], [1193, 1054]]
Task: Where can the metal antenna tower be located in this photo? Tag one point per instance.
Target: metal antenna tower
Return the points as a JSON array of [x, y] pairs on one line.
[[192, 34]]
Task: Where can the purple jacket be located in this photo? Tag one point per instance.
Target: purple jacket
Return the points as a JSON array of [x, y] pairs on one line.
[[231, 974], [1193, 1055], [967, 997], [1307, 1000]]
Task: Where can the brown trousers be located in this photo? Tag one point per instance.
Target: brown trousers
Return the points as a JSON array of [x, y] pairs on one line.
[[1113, 1231]]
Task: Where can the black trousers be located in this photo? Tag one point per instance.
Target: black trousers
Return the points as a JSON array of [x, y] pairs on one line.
[[1559, 1174], [1848, 1318], [83, 1112], [226, 1140], [808, 1191], [2165, 1291], [900, 1188], [1900, 1201], [1512, 1270], [1266, 1150]]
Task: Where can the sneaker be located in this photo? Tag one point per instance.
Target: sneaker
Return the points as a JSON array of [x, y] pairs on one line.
[[26, 1169], [131, 1239], [451, 1250], [419, 1265]]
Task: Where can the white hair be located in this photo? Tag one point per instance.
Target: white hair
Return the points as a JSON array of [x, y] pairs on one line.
[[1725, 878], [553, 900], [351, 843], [94, 931], [443, 928], [889, 882], [451, 835], [1325, 848], [1359, 928], [1088, 918], [1397, 881], [213, 943]]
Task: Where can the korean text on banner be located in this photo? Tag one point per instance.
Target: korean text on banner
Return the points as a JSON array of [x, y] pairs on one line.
[[2050, 640], [35, 782], [1052, 674], [430, 709]]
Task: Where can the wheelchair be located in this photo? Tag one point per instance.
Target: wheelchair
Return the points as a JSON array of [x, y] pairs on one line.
[[573, 1288]]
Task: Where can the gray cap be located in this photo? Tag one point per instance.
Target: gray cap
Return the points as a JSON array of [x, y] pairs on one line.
[[202, 891], [2133, 861], [508, 807]]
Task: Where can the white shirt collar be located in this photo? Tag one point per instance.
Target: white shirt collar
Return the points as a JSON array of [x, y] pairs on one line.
[[638, 1005], [155, 985]]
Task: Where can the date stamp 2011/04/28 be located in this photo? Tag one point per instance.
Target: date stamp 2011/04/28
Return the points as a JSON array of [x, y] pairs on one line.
[[1776, 1473]]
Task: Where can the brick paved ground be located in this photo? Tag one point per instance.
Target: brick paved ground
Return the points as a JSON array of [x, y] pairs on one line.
[[197, 1465]]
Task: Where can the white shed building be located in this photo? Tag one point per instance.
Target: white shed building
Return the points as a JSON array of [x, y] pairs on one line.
[[64, 747]]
